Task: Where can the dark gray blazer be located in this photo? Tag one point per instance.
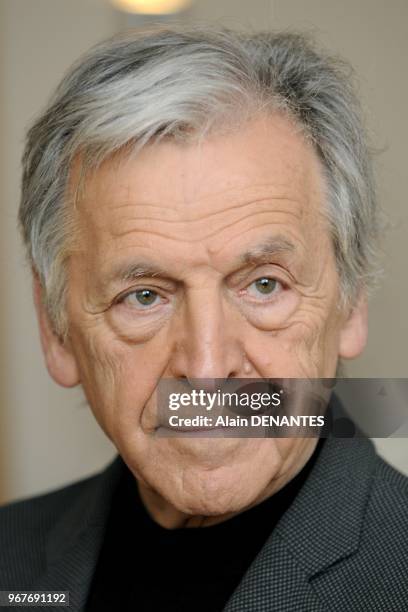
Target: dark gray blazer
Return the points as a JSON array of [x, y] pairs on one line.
[[341, 546]]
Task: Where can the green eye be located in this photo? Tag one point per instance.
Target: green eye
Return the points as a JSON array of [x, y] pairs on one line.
[[265, 285], [142, 297], [146, 297]]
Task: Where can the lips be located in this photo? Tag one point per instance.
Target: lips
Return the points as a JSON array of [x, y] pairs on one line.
[[172, 432]]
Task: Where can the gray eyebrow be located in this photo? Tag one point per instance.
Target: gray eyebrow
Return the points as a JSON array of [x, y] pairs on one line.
[[134, 270], [272, 246]]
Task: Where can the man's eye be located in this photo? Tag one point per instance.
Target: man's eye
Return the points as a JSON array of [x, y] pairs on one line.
[[264, 286], [142, 298]]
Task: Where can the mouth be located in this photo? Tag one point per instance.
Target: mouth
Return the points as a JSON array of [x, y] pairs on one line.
[[220, 431]]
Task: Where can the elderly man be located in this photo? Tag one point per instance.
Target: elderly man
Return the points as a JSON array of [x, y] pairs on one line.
[[198, 204]]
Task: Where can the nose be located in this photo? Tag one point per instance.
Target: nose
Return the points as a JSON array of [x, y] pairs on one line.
[[207, 339]]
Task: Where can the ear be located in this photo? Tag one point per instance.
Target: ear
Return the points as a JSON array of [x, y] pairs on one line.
[[60, 361], [353, 334]]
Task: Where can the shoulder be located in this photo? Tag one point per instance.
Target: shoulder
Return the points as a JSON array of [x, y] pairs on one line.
[[35, 515], [387, 508], [377, 575], [359, 560], [29, 527]]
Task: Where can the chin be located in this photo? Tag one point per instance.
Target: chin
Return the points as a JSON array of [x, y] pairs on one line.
[[214, 492]]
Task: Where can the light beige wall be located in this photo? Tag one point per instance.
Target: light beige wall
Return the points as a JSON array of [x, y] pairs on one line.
[[3, 361], [47, 435]]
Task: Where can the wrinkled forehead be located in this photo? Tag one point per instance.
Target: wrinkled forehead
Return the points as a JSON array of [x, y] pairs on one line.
[[264, 172]]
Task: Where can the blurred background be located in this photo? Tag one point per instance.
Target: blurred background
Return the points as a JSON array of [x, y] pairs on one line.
[[48, 436]]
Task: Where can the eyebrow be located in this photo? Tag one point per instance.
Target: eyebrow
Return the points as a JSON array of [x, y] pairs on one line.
[[273, 246], [134, 270], [131, 271]]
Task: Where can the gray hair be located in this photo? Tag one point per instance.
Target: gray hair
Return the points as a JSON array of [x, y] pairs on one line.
[[181, 82]]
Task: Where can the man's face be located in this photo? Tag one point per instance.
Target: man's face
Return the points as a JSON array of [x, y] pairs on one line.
[[167, 282]]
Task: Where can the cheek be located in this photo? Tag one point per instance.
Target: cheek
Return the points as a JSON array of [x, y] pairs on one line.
[[303, 348], [316, 340], [133, 327], [269, 317], [118, 380]]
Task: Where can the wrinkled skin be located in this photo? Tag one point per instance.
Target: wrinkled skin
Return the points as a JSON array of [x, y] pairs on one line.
[[194, 211]]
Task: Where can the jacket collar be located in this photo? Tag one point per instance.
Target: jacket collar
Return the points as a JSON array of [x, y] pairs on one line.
[[324, 524]]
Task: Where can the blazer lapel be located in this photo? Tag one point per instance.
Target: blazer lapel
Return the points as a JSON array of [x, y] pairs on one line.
[[321, 528], [274, 583]]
